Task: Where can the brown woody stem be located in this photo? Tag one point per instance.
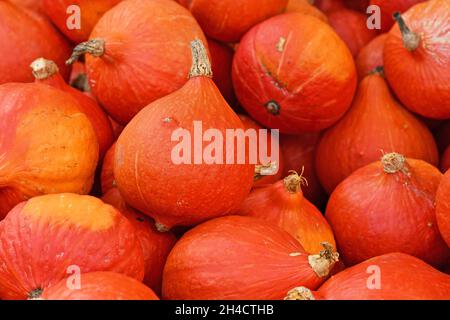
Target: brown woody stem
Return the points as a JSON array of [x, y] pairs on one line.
[[300, 293], [95, 47], [43, 69], [201, 66], [411, 40], [394, 162], [323, 262], [293, 182], [161, 228], [35, 294]]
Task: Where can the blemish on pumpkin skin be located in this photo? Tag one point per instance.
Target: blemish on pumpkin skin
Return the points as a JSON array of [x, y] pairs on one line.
[[280, 44]]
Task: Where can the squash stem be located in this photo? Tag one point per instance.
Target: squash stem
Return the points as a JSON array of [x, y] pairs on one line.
[[394, 162], [411, 40], [95, 47], [300, 293], [201, 66], [323, 262], [293, 182], [43, 69]]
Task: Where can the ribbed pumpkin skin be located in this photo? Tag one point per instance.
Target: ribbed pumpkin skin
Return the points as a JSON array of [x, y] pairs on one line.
[[222, 61], [229, 20], [25, 36], [48, 234], [375, 124], [90, 12], [46, 144], [351, 26], [180, 194], [305, 7], [389, 7], [443, 207], [258, 263], [420, 78], [35, 5], [371, 56], [283, 61], [101, 286], [156, 245], [373, 213], [146, 56], [299, 155], [107, 175], [292, 213], [403, 277], [98, 118]]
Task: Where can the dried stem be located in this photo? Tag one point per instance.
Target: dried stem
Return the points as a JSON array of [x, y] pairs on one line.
[[411, 40], [323, 262], [43, 69], [300, 293], [95, 47], [201, 66]]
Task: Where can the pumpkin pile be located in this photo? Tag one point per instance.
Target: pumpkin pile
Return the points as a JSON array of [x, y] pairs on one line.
[[224, 149]]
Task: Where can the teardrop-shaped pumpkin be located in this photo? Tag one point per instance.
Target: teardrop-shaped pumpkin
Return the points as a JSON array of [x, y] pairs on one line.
[[351, 26], [228, 20], [46, 144], [76, 18], [371, 56], [241, 258], [100, 286], [24, 36], [417, 60], [47, 72], [393, 276], [282, 204], [388, 206], [443, 207], [48, 238], [156, 245], [305, 7], [137, 54], [376, 123], [286, 78], [167, 169]]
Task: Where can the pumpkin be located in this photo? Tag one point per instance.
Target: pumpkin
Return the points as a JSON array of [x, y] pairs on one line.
[[371, 56], [76, 23], [221, 63], [53, 236], [376, 123], [305, 7], [46, 144], [26, 35], [241, 258], [351, 26], [35, 5], [136, 54], [282, 204], [228, 20], [445, 160], [443, 207], [99, 286], [270, 171], [161, 173], [389, 7], [400, 277], [107, 174], [285, 77], [47, 72], [156, 245], [388, 206], [329, 5], [298, 155], [358, 5], [416, 59]]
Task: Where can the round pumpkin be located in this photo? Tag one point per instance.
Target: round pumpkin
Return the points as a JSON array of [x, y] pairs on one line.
[[99, 286], [136, 54], [329, 5], [286, 78], [35, 5], [53, 236], [107, 179], [46, 144], [417, 61], [371, 56], [305, 7], [443, 207], [388, 206]]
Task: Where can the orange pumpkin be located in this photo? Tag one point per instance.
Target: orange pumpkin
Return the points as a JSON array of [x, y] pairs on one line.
[[107, 175], [443, 207], [371, 56], [417, 61], [99, 286], [35, 5], [228, 20], [305, 7], [46, 144], [375, 124], [160, 171], [60, 235], [329, 5]]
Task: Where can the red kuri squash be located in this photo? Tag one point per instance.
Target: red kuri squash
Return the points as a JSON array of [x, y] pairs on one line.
[[394, 276], [305, 7], [234, 258], [53, 236], [443, 207], [282, 204], [286, 78], [228, 20], [99, 286], [358, 5], [35, 5], [46, 72], [371, 56], [107, 175], [46, 144], [388, 206], [417, 60], [329, 5], [166, 168], [376, 123], [76, 18], [25, 36], [136, 54]]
